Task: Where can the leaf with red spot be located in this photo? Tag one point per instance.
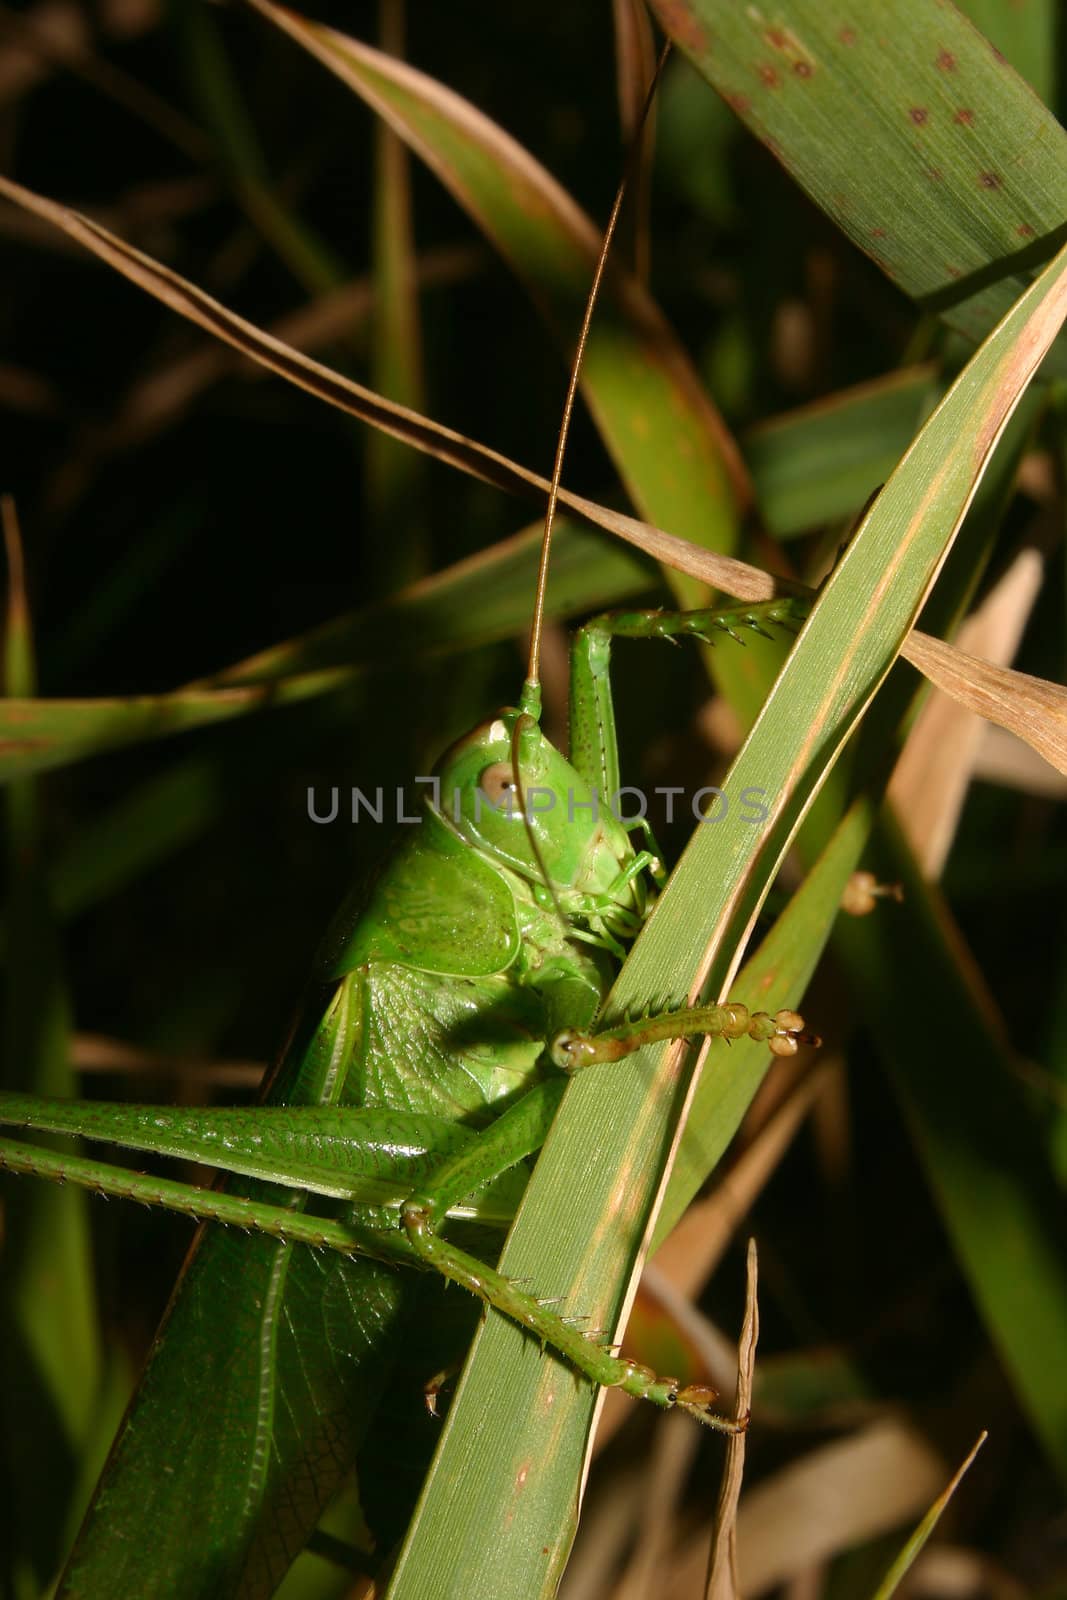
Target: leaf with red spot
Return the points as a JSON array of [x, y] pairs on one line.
[[869, 113]]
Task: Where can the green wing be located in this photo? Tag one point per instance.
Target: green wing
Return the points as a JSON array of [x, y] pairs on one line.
[[437, 905]]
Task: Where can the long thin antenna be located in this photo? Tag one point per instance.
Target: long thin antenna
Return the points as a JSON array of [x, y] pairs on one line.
[[533, 671]]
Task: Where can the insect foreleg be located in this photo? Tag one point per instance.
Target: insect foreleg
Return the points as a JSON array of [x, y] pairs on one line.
[[594, 750]]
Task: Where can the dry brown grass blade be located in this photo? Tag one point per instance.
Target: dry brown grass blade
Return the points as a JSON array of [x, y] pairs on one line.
[[635, 62], [96, 1052], [690, 1255], [723, 1581], [834, 1498], [1003, 759], [1032, 708], [445, 444], [673, 1451], [17, 616], [935, 769], [950, 1572]]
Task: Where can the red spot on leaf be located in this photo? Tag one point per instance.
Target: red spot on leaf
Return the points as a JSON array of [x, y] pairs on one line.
[[740, 103], [847, 36], [934, 174], [954, 272], [946, 61], [989, 180], [677, 18], [877, 233], [802, 69], [768, 75], [776, 37], [964, 115], [998, 55], [1025, 231], [918, 115]]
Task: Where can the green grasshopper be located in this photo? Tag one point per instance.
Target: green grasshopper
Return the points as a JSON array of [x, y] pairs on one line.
[[449, 1003]]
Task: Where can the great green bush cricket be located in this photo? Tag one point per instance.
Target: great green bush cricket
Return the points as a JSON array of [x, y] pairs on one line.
[[484, 948]]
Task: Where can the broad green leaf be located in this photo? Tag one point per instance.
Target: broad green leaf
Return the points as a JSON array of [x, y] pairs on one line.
[[1026, 34], [908, 128]]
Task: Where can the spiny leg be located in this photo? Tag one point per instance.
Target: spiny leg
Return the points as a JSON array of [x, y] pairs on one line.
[[517, 1133], [784, 1033], [520, 1131], [594, 749]]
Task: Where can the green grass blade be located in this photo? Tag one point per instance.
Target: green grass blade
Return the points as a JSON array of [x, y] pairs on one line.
[[47, 1300], [476, 602], [910, 131], [834, 837], [668, 443], [512, 1453], [395, 483], [735, 577], [822, 463], [982, 1152], [892, 1580], [218, 97]]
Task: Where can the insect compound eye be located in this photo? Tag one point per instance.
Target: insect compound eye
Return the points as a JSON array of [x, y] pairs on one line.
[[497, 784]]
